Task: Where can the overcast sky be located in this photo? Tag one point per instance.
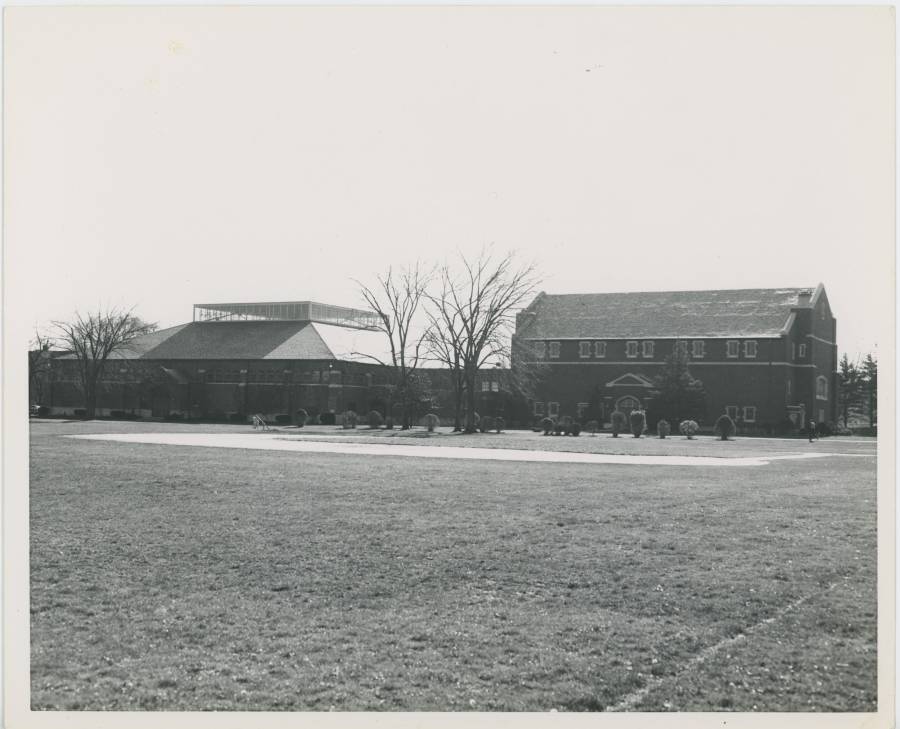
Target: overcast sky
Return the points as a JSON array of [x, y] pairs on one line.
[[160, 157]]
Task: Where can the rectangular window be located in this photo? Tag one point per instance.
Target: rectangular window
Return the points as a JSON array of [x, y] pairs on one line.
[[485, 386], [750, 348], [584, 349], [699, 349], [732, 349], [553, 409], [582, 406], [631, 349], [731, 411], [802, 351], [540, 350], [495, 386], [600, 349], [749, 413], [554, 350], [680, 347], [538, 408], [647, 349]]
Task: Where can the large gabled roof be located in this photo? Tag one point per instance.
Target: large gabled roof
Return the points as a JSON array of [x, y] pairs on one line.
[[256, 340], [662, 314]]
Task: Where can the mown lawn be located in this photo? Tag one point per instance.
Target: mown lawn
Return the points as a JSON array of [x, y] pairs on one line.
[[191, 578]]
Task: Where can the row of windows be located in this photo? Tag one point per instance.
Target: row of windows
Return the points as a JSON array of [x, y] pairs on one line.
[[747, 413], [646, 349]]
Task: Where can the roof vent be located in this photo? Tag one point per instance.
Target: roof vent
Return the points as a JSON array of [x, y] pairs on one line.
[[804, 297]]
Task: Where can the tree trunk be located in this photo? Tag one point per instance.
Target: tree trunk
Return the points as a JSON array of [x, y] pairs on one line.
[[470, 402], [457, 403]]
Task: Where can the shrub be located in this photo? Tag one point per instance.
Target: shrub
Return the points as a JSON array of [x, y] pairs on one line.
[[499, 424], [328, 418], [431, 422], [638, 420], [724, 427], [827, 429], [375, 419], [235, 418], [79, 413], [558, 428], [486, 424], [592, 426], [619, 421], [663, 428], [688, 428], [300, 417], [43, 411], [566, 422], [575, 429], [349, 419], [116, 413], [547, 425], [282, 418]]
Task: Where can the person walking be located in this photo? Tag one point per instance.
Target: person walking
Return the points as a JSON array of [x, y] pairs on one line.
[[812, 431]]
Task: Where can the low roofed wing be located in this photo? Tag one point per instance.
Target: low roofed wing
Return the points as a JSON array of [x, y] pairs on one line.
[[242, 340], [665, 314]]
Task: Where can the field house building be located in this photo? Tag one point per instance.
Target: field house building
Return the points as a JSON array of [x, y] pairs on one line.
[[764, 356]]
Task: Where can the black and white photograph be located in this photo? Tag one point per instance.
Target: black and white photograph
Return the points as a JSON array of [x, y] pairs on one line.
[[435, 365]]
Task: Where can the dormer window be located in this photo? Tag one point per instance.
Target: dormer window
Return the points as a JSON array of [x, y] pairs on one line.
[[750, 347], [600, 349], [631, 349], [584, 349], [647, 349], [554, 350], [732, 348]]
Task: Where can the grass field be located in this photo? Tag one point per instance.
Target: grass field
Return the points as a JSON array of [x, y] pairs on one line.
[[181, 578]]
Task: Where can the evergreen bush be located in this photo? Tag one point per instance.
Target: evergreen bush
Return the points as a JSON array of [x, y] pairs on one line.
[[499, 424], [375, 420], [431, 422], [486, 424], [300, 417], [619, 420], [724, 427], [547, 425], [638, 420], [592, 426], [689, 428], [349, 420], [663, 428]]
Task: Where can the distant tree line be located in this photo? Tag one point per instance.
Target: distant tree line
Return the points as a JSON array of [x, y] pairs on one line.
[[858, 390]]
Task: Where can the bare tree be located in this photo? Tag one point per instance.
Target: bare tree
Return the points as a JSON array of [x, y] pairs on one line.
[[38, 366], [396, 299], [444, 343], [483, 297], [95, 337]]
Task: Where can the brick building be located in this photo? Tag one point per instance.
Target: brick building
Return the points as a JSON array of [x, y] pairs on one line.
[[764, 356]]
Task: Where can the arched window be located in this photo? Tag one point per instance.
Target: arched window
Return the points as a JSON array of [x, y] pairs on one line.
[[821, 387]]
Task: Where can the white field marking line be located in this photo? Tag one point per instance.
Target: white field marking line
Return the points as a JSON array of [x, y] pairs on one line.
[[271, 442], [629, 701]]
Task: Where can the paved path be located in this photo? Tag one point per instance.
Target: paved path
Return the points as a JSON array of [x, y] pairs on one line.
[[275, 442]]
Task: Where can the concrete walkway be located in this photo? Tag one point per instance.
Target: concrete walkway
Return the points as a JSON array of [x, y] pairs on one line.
[[276, 442]]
